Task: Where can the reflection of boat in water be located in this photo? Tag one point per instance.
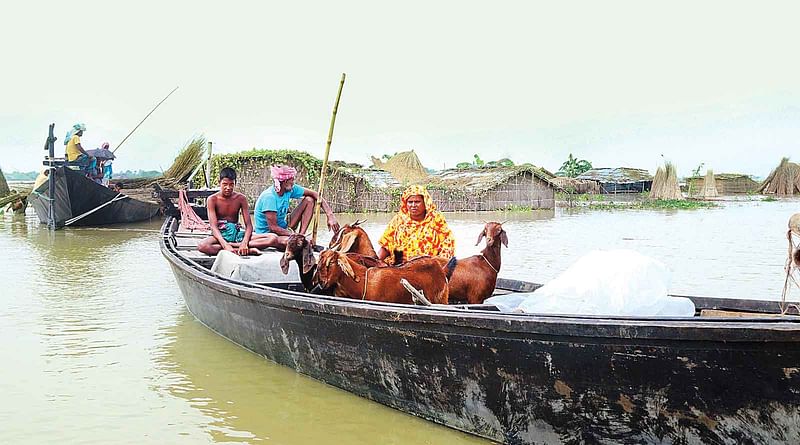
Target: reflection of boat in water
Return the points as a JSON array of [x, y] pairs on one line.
[[244, 398], [80, 201], [526, 378]]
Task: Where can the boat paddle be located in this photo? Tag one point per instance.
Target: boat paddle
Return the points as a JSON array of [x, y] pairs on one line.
[[140, 123]]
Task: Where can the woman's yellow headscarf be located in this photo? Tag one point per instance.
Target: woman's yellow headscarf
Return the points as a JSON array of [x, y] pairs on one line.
[[431, 236]]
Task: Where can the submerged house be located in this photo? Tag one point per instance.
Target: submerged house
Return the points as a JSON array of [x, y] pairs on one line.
[[620, 179], [726, 184], [494, 188], [351, 188]]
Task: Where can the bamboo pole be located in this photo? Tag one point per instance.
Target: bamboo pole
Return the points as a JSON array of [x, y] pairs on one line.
[[315, 224], [140, 123], [208, 167]]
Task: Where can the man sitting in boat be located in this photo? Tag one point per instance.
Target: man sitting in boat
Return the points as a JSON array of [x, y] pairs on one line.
[[417, 229], [272, 206], [224, 208], [75, 152]]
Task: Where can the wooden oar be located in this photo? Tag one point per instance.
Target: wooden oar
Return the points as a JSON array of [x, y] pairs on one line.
[[315, 224], [140, 123]]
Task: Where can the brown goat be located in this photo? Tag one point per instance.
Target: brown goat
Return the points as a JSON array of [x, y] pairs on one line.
[[475, 277], [353, 238], [298, 248], [348, 278]]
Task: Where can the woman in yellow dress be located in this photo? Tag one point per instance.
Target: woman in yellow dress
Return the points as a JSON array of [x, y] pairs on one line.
[[417, 229]]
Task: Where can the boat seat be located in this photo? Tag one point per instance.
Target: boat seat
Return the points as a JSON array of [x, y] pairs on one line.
[[198, 257]]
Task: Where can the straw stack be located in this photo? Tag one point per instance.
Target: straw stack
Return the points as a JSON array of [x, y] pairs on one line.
[[665, 183], [405, 167], [784, 180], [709, 186], [188, 159], [3, 185]]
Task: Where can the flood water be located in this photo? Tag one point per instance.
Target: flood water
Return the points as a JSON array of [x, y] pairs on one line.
[[98, 347]]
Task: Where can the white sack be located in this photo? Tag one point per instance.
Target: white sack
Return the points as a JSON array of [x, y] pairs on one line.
[[264, 268], [614, 282]]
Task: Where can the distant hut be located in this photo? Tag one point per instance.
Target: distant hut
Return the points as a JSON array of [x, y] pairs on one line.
[[4, 190], [495, 188], [405, 167], [574, 185], [709, 186], [665, 183], [726, 184], [620, 179], [784, 180]]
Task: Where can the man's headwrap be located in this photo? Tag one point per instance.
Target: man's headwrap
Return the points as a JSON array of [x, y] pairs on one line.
[[75, 128], [281, 173], [105, 145]]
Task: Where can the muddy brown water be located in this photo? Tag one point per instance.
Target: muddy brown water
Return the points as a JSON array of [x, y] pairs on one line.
[[99, 348]]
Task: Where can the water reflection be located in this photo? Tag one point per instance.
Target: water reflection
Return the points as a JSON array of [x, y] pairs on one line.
[[247, 398]]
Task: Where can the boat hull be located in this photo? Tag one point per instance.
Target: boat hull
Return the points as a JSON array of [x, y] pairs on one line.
[[518, 379], [76, 195]]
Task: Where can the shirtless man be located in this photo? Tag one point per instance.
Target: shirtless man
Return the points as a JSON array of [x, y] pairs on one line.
[[223, 216]]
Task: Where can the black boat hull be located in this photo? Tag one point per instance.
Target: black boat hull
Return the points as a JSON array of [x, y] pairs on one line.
[[523, 379], [77, 195]]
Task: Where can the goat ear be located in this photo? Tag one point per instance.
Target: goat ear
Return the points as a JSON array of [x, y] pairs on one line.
[[480, 237], [504, 238], [335, 240], [348, 241], [308, 258], [284, 265], [346, 267]]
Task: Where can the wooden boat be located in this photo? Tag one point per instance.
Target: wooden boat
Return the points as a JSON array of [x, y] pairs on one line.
[[731, 374], [79, 201]]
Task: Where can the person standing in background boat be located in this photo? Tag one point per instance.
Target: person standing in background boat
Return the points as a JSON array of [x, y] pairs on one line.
[[224, 208], [108, 170], [417, 229], [272, 206], [75, 152]]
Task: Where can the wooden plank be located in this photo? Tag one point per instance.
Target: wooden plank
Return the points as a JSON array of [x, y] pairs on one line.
[[734, 314]]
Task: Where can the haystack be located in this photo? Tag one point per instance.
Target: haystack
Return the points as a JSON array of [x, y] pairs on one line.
[[188, 159], [709, 186], [3, 185], [405, 167], [178, 173], [665, 183], [784, 180]]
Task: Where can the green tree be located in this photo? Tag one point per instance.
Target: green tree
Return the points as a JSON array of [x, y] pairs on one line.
[[574, 167], [478, 161]]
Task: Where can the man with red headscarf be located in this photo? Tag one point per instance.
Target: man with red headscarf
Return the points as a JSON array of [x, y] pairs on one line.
[[272, 206], [417, 229]]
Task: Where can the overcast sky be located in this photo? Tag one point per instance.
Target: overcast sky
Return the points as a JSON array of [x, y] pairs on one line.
[[615, 83]]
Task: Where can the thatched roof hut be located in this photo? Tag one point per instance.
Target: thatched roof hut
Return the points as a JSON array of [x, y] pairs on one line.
[[493, 188], [405, 167], [665, 183], [620, 179], [784, 180], [726, 184], [574, 185]]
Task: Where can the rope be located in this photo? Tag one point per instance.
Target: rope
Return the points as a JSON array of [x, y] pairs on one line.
[[366, 274], [119, 197], [790, 269], [490, 264]]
